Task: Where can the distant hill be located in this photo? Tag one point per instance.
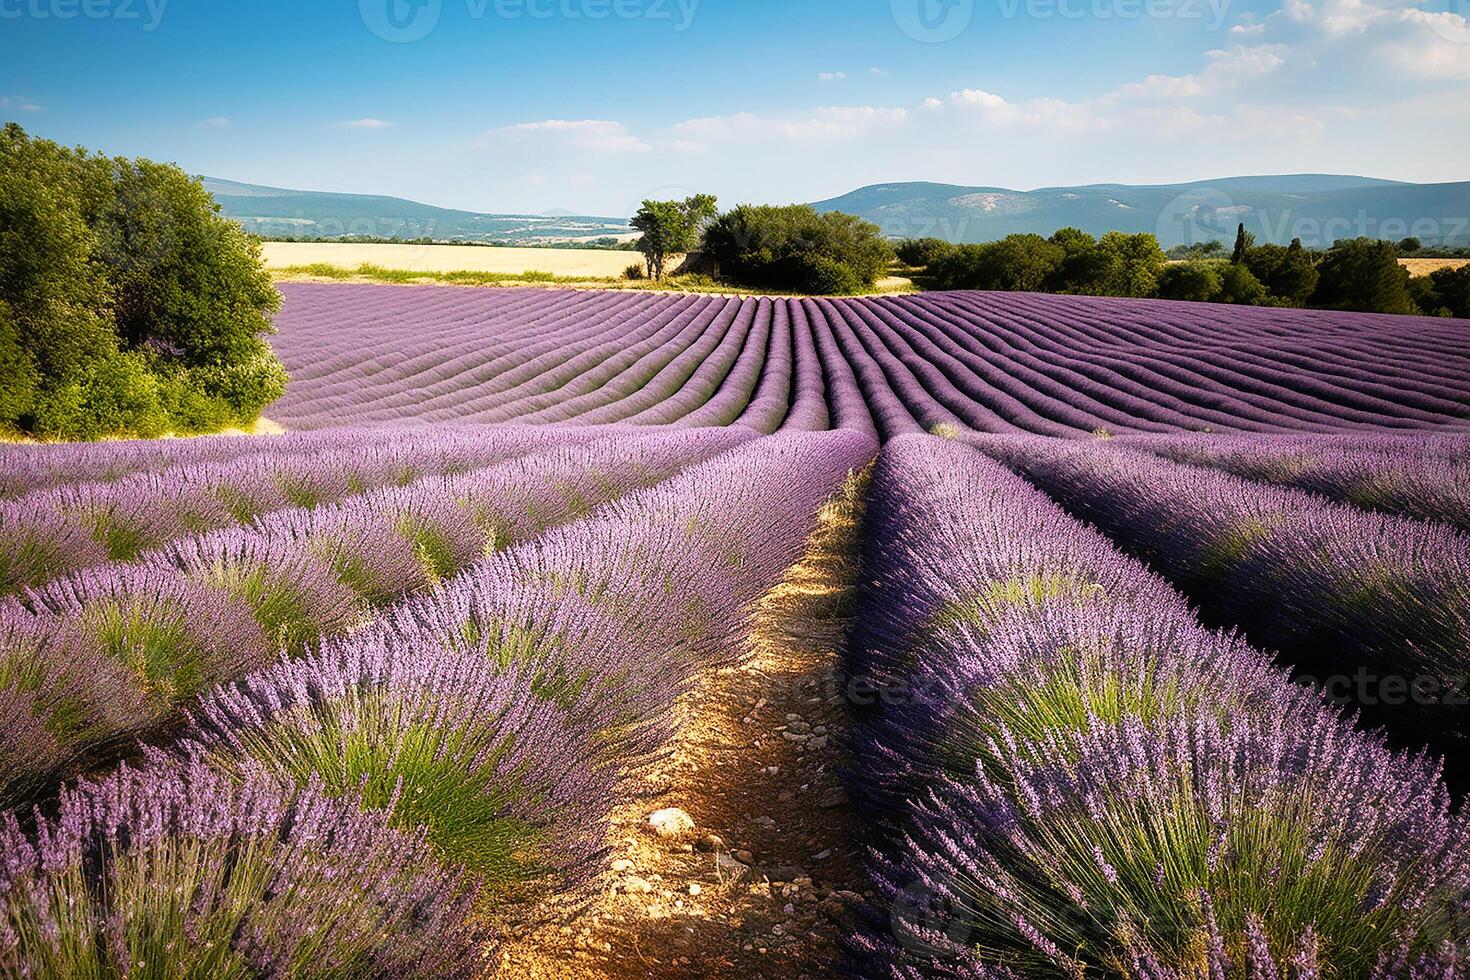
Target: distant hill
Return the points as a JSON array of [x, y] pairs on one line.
[[1318, 208], [276, 212]]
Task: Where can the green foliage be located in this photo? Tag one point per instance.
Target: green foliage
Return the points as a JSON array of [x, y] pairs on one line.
[[1239, 286], [796, 249], [1244, 242], [922, 252], [1289, 273], [1212, 249], [128, 305], [671, 227], [1409, 246], [1452, 290], [18, 375], [634, 272], [1197, 282], [1363, 274], [1015, 263]]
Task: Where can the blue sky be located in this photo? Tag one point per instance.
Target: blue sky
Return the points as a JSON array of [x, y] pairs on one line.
[[592, 105]]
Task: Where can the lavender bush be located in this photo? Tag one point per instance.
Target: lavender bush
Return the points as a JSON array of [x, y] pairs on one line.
[[1071, 776], [186, 872]]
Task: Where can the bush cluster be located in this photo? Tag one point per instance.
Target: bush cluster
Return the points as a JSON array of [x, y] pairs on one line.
[[128, 305], [796, 249], [1359, 274]]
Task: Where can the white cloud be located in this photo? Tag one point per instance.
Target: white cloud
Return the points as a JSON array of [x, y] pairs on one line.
[[216, 122], [878, 72], [367, 123], [823, 124], [19, 103], [593, 135], [933, 103], [832, 76]]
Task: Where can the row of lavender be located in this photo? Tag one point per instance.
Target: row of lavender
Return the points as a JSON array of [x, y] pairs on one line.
[[1070, 776], [92, 659], [57, 529], [1372, 607], [361, 810], [994, 363]]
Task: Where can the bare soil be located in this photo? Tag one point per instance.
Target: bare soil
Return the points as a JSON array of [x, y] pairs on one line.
[[765, 882]]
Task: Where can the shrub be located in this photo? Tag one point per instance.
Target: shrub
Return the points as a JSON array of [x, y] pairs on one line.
[[795, 248], [1197, 282], [634, 272]]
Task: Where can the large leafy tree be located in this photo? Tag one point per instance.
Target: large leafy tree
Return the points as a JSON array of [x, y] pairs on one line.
[[1363, 274], [128, 304], [671, 228]]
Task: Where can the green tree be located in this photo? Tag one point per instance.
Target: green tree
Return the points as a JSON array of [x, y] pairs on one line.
[[1363, 274], [124, 295], [1024, 263], [1238, 286], [1137, 263], [1244, 241], [796, 249], [1452, 290], [671, 228], [1085, 269], [1410, 245], [1197, 282], [1289, 272], [922, 252]]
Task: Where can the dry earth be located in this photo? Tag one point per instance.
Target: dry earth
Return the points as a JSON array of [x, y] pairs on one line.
[[451, 258], [1423, 267], [764, 882]]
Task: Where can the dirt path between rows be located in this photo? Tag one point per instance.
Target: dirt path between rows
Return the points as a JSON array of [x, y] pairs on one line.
[[764, 883]]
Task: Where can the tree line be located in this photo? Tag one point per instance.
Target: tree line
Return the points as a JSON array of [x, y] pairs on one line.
[[1360, 274], [128, 305]]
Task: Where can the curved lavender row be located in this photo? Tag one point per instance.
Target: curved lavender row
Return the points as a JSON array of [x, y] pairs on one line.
[[49, 533], [25, 469], [990, 362], [1377, 605], [459, 339], [652, 381], [1393, 475], [216, 877], [1070, 774], [300, 576]]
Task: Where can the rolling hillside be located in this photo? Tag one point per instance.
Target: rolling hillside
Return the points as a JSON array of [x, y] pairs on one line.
[[277, 212], [1318, 208]]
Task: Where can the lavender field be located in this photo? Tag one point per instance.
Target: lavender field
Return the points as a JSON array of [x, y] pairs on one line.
[[967, 635]]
